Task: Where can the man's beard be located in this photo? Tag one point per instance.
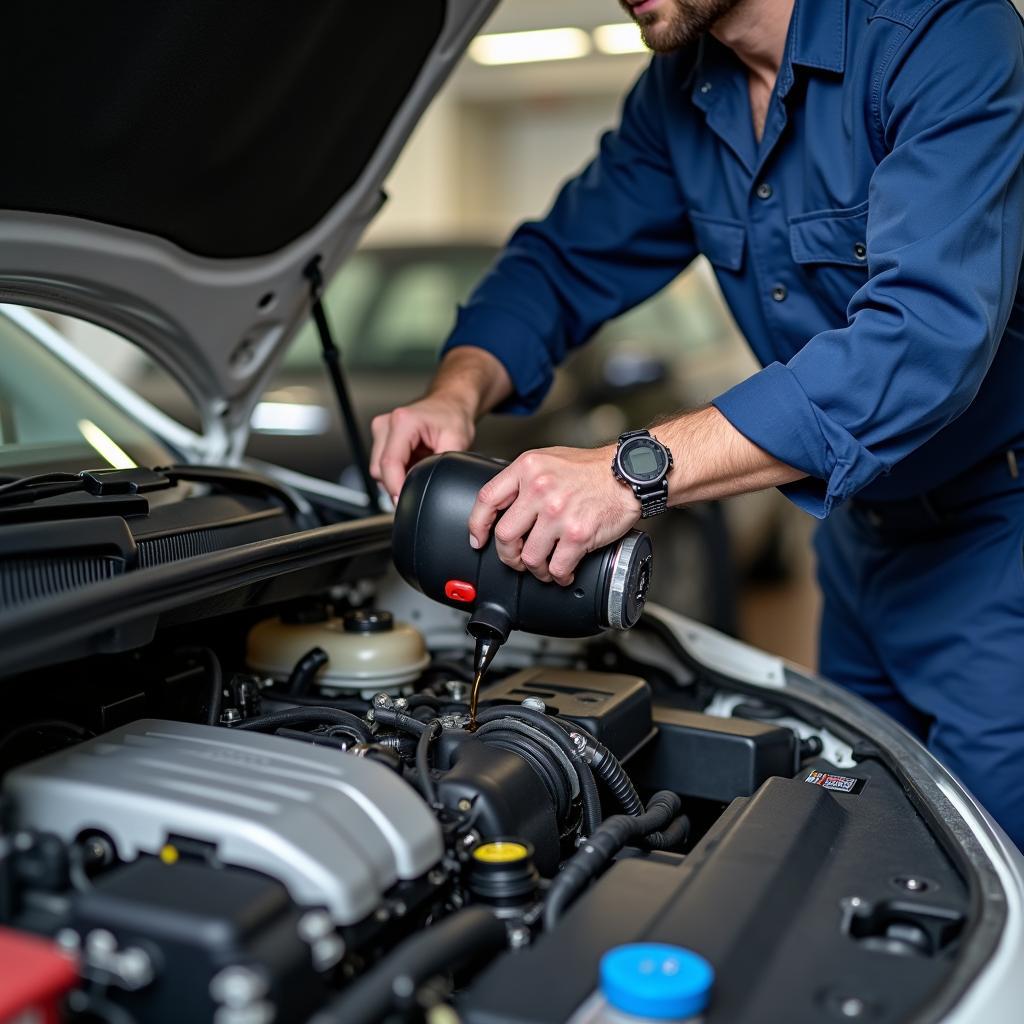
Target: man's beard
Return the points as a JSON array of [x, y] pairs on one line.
[[684, 22]]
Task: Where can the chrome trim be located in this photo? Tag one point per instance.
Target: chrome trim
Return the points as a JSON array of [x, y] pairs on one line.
[[621, 561]]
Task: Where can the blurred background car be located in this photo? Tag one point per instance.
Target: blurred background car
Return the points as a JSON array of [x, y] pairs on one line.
[[391, 308]]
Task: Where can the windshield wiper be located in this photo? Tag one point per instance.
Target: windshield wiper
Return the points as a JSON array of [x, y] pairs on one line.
[[98, 482]]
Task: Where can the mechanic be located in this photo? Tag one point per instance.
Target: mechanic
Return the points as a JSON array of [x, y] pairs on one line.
[[852, 169]]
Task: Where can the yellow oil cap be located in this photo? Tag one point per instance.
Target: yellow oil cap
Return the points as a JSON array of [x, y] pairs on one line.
[[501, 852], [169, 854]]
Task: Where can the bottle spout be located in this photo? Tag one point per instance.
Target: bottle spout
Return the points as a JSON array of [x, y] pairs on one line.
[[486, 649]]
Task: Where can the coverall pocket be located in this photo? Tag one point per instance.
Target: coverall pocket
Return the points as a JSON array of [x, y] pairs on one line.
[[721, 240], [831, 236]]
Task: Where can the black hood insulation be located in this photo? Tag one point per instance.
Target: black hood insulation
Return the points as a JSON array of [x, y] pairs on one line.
[[228, 128]]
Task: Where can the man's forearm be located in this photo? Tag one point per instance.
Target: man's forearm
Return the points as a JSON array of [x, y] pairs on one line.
[[473, 377], [714, 460]]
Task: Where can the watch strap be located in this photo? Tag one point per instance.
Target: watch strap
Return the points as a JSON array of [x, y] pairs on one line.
[[654, 500]]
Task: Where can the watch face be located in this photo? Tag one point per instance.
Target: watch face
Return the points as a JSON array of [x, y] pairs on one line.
[[642, 460]]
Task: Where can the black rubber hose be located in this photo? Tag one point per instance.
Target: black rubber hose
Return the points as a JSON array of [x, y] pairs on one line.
[[608, 769], [547, 759], [214, 676], [672, 837], [594, 855], [399, 720], [300, 682], [589, 796], [423, 776], [468, 935], [304, 716], [534, 757], [404, 746]]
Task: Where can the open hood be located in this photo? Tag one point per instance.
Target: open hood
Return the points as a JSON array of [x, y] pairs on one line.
[[171, 170]]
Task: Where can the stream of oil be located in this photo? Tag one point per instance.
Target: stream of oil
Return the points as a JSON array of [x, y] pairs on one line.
[[474, 697]]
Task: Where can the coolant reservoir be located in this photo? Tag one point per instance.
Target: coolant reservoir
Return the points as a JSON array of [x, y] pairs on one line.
[[368, 652]]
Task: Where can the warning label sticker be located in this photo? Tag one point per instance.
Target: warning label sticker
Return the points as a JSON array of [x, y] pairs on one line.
[[839, 783]]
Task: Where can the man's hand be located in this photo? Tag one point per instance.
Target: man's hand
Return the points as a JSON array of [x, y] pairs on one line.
[[562, 503], [402, 437], [469, 382]]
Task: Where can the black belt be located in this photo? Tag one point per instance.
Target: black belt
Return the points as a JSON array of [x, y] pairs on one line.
[[936, 507]]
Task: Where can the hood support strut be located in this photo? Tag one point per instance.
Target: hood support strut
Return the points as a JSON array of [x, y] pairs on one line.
[[332, 357]]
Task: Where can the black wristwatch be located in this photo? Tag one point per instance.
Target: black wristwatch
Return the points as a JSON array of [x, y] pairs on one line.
[[643, 462]]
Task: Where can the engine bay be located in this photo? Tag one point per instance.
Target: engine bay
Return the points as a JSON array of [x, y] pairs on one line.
[[285, 816]]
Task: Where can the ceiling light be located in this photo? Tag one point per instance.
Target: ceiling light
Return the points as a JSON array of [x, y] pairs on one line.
[[525, 47], [622, 37], [294, 419]]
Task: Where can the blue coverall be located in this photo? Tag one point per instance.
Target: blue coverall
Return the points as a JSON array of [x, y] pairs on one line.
[[870, 249]]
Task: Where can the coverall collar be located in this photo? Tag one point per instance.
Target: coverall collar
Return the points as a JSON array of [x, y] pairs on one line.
[[718, 84]]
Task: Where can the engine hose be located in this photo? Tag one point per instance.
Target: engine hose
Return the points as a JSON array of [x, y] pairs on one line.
[[557, 791], [402, 745], [300, 682], [302, 716], [610, 771], [467, 936], [399, 720], [589, 796], [423, 776], [612, 836], [607, 767], [547, 759], [551, 762], [215, 677], [674, 836]]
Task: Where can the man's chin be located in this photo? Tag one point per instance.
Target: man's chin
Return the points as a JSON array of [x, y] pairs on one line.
[[659, 34]]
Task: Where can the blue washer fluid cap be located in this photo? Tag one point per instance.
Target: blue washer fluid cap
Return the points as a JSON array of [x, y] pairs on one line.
[[649, 979]]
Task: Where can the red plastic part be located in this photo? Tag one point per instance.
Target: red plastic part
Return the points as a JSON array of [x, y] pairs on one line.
[[460, 590], [35, 975]]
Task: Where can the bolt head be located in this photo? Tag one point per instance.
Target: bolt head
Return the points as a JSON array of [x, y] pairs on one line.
[[912, 884], [237, 987], [534, 704], [315, 925], [401, 704], [136, 967], [100, 942]]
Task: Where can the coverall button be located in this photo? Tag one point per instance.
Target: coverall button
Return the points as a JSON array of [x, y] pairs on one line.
[[779, 293], [706, 88], [860, 251], [765, 191]]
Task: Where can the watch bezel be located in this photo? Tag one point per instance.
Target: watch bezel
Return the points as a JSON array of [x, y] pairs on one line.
[[647, 441]]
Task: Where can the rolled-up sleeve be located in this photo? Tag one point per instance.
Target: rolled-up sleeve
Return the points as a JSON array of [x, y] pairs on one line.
[[945, 239], [615, 235]]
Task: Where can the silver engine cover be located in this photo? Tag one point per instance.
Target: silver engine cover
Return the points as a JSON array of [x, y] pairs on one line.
[[337, 830]]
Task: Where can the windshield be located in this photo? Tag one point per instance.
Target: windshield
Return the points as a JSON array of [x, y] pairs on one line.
[[52, 420]]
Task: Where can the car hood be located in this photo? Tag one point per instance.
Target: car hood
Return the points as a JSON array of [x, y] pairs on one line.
[[172, 170]]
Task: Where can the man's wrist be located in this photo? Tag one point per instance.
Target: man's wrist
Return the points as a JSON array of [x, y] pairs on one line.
[[472, 379]]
